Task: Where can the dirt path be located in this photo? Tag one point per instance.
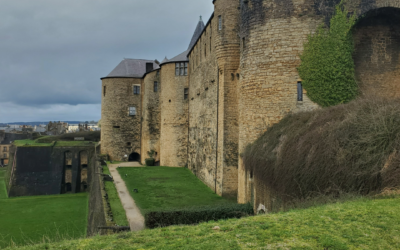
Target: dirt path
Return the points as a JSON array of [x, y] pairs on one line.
[[135, 218]]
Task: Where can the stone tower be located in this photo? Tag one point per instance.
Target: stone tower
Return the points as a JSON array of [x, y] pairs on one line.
[[121, 109]]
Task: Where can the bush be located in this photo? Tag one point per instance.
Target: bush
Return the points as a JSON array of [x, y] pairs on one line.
[[327, 66], [196, 215], [149, 162], [352, 148]]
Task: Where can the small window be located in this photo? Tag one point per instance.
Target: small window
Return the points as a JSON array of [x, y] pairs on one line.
[[186, 94], [299, 92], [136, 90], [181, 69], [251, 174], [205, 50], [104, 90], [177, 69], [158, 73], [5, 149], [219, 22], [5, 155], [155, 86], [210, 44], [132, 111], [116, 127], [243, 42]]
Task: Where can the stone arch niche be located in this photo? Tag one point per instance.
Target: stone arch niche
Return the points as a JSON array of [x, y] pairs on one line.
[[377, 52], [66, 182], [82, 183], [134, 157]]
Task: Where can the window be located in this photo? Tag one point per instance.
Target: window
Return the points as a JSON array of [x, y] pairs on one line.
[[5, 149], [219, 23], [186, 94], [243, 42], [155, 86], [136, 90], [132, 111], [5, 155], [205, 50], [158, 73], [104, 90], [299, 92], [181, 69]]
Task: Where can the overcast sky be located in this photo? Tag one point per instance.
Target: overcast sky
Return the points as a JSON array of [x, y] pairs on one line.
[[53, 52]]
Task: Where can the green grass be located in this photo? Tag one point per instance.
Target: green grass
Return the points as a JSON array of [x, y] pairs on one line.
[[166, 188], [360, 224], [73, 143], [21, 143], [25, 220], [3, 191], [119, 215]]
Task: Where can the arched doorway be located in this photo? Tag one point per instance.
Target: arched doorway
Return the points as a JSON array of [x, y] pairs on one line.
[[377, 52], [134, 157]]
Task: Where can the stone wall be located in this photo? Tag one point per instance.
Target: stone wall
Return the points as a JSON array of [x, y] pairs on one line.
[[99, 209], [272, 36], [203, 101], [151, 116], [120, 132], [44, 170], [174, 118], [377, 53]]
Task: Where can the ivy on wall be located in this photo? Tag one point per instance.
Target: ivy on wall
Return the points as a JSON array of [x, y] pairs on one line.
[[327, 66]]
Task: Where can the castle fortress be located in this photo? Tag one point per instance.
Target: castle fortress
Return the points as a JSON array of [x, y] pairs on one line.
[[238, 76]]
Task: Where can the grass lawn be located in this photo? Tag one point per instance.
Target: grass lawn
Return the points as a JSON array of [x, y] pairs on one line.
[[25, 220], [118, 211], [21, 143], [164, 188], [3, 191], [359, 224]]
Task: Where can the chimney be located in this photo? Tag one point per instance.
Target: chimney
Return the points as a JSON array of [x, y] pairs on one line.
[[149, 67]]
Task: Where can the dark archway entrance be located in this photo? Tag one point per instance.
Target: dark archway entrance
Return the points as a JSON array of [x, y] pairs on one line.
[[377, 52], [134, 157]]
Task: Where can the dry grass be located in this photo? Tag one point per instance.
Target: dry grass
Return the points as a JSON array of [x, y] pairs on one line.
[[352, 148]]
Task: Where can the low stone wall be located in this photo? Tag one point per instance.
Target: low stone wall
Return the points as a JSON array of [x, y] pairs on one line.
[[99, 209]]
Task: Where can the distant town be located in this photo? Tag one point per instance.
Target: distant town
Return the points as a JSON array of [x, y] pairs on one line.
[[24, 130]]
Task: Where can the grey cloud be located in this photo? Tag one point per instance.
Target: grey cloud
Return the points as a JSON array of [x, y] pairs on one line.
[[53, 52]]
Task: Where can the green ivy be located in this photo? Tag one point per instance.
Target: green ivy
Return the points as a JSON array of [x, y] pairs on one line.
[[327, 66]]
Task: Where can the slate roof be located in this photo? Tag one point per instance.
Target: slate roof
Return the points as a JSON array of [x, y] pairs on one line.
[[131, 68], [197, 33], [182, 57]]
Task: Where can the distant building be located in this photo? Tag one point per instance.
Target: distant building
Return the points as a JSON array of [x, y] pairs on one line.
[[57, 128]]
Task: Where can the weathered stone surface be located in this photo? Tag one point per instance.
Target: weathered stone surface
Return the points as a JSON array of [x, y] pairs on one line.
[[174, 118], [151, 116], [120, 132]]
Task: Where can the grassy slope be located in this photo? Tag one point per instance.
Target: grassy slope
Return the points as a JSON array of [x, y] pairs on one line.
[[163, 188], [360, 224], [31, 143], [29, 219], [3, 191], [118, 211]]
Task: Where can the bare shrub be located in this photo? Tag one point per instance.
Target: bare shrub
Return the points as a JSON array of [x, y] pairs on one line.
[[351, 148]]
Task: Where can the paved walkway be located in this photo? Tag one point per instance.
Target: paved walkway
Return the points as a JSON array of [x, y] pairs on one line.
[[135, 218]]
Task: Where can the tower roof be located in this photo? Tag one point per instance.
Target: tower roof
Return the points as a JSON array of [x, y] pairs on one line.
[[131, 68], [197, 33]]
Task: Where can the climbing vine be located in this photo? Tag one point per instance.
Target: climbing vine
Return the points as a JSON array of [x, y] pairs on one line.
[[327, 66]]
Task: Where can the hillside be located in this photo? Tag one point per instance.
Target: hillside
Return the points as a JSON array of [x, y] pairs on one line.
[[359, 224]]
